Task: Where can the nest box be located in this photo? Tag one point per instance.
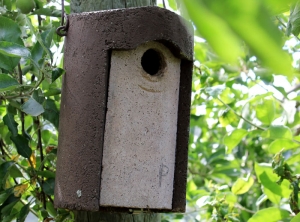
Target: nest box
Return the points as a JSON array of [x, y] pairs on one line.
[[124, 118]]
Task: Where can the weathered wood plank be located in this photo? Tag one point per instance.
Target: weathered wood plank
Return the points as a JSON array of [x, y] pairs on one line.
[[78, 6]]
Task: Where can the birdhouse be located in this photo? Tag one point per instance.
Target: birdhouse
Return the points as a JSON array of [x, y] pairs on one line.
[[124, 118]]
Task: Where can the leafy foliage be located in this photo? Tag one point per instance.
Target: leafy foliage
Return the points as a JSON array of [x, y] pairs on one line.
[[30, 81], [244, 141], [243, 151]]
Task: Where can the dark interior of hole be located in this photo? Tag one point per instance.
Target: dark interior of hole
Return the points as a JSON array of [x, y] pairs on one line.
[[151, 61]]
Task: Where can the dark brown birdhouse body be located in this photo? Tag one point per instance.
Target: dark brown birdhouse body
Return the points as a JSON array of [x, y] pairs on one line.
[[124, 121]]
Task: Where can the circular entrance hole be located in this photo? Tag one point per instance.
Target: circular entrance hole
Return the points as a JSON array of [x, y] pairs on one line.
[[152, 62]]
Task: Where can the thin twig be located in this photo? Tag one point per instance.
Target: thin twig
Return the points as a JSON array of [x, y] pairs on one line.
[[2, 148], [40, 148], [240, 116], [293, 89], [26, 95], [244, 209], [164, 4], [32, 211], [22, 101], [284, 25]]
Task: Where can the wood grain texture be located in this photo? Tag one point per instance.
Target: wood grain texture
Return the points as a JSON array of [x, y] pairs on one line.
[[78, 6]]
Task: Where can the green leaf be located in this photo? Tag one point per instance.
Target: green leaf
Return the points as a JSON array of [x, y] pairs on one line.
[[227, 117], [7, 83], [260, 96], [10, 30], [14, 49], [10, 217], [7, 4], [51, 210], [48, 186], [37, 53], [274, 198], [39, 38], [56, 73], [296, 218], [8, 63], [8, 204], [271, 214], [215, 91], [47, 12], [267, 41], [269, 184], [38, 96], [172, 4], [213, 28], [293, 25], [260, 168], [279, 6], [4, 169], [268, 179], [10, 122], [8, 208], [200, 52], [23, 213], [242, 185], [234, 138], [14, 172], [294, 159], [226, 96], [265, 111], [51, 112], [22, 145], [278, 132], [32, 107], [282, 144], [46, 174], [52, 92], [5, 194]]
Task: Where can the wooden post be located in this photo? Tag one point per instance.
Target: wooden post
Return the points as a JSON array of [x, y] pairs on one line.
[[78, 6]]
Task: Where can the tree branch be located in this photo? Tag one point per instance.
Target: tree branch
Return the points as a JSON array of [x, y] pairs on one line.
[[22, 101], [240, 116]]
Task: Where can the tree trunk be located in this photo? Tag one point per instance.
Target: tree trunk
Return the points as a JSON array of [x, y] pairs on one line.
[[78, 6]]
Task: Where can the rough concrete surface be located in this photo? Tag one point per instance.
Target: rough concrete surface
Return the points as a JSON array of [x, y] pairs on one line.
[[140, 132]]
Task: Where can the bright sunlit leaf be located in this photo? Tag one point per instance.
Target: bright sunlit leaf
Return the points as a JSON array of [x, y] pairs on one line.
[[296, 218], [213, 28], [20, 189], [242, 185], [278, 132], [271, 214], [234, 138], [282, 144], [265, 111], [33, 159]]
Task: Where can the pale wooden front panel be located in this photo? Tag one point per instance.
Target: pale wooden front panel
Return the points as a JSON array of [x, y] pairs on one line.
[[140, 131]]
